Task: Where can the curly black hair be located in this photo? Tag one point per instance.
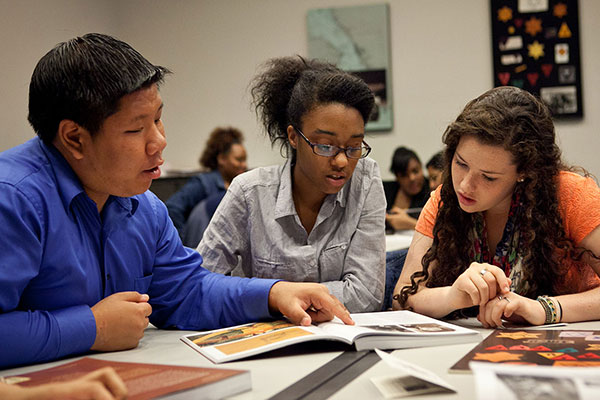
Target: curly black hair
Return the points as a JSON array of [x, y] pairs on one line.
[[289, 87]]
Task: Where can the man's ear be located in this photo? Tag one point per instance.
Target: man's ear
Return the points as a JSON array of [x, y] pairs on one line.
[[292, 136], [72, 138]]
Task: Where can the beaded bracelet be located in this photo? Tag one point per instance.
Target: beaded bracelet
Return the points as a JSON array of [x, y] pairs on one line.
[[549, 308]]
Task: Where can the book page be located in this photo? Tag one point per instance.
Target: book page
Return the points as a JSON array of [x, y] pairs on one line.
[[404, 368], [242, 341], [393, 323]]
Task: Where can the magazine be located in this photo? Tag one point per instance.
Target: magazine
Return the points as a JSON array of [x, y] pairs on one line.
[[148, 381], [382, 330], [552, 347]]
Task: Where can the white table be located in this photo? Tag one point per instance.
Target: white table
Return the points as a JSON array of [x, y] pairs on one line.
[[273, 372], [398, 240]]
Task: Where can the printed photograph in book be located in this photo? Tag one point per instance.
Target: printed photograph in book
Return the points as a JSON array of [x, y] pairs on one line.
[[237, 333], [553, 347]]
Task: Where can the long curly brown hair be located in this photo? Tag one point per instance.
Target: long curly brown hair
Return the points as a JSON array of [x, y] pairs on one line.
[[521, 124]]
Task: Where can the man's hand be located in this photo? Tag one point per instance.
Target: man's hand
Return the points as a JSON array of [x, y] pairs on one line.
[[120, 321], [303, 303]]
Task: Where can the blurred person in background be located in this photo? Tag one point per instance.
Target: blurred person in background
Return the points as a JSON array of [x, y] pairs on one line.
[[224, 158], [435, 168], [407, 195]]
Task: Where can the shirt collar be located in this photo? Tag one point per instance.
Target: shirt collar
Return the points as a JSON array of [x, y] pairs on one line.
[[284, 205], [68, 185]]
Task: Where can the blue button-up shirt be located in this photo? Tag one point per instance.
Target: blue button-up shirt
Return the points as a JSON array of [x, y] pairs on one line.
[[59, 257]]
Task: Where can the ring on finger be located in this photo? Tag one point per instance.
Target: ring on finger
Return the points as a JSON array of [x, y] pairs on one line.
[[506, 298], [501, 298], [483, 271]]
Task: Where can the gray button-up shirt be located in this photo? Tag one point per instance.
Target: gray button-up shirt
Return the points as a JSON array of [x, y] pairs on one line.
[[257, 223]]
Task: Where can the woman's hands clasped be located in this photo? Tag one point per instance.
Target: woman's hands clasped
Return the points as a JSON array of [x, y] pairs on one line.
[[487, 286], [511, 307], [479, 284]]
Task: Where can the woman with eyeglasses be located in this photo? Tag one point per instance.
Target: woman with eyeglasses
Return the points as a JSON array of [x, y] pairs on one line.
[[319, 217]]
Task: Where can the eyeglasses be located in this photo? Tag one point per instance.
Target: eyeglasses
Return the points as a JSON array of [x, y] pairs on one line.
[[328, 150]]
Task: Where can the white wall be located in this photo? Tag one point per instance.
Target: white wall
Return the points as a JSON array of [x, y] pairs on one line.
[[28, 29], [441, 58]]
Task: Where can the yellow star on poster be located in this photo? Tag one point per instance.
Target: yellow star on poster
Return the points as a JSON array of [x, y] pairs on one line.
[[498, 356], [536, 50], [511, 29], [533, 26], [518, 335], [550, 355], [560, 10], [504, 14], [564, 32]]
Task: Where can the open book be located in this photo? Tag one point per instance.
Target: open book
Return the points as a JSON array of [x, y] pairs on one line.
[[148, 381], [382, 330]]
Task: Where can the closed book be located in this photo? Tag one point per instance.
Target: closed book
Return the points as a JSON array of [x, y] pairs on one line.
[[382, 330], [148, 381]]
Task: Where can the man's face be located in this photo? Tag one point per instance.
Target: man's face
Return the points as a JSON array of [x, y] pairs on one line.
[[124, 156]]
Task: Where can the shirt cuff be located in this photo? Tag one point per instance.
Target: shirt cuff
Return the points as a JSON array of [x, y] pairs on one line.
[[77, 327], [257, 293]]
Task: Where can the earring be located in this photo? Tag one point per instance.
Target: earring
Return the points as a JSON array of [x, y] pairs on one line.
[[521, 180]]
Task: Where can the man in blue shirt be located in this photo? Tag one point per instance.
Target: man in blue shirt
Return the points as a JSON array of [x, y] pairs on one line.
[[88, 256]]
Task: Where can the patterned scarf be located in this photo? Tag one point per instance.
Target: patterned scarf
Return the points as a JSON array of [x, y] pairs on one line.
[[507, 254]]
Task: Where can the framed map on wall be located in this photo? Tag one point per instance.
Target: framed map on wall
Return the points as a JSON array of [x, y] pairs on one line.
[[536, 47], [356, 39]]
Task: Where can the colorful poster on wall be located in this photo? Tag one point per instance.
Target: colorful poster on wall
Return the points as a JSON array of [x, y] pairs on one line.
[[536, 47], [356, 39]]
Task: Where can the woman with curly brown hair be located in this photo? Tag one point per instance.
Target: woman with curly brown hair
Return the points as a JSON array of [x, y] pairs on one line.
[[319, 217], [511, 230], [224, 157]]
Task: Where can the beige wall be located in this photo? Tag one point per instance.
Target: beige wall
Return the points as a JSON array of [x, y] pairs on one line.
[[28, 29], [441, 58]]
